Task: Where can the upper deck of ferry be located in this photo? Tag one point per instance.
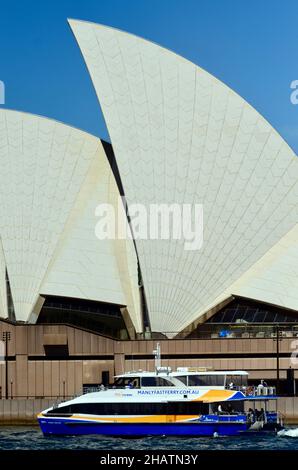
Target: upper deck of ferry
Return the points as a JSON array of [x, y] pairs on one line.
[[200, 378]]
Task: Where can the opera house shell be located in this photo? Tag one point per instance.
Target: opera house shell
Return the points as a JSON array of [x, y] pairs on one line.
[[179, 135], [52, 179]]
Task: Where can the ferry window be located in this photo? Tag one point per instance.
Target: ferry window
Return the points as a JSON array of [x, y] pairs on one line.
[[127, 382], [155, 382], [127, 408], [61, 410], [206, 380], [194, 380], [237, 380], [119, 382], [183, 379], [230, 407]]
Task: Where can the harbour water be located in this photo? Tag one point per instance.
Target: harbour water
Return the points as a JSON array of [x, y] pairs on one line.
[[31, 438]]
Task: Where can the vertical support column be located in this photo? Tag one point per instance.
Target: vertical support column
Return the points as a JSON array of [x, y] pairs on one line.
[[277, 361], [21, 388], [6, 368], [119, 363]]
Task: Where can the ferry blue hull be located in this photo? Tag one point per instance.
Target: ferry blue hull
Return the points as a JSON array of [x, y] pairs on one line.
[[75, 428]]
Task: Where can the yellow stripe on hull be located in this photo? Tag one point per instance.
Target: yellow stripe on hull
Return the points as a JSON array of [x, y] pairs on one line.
[[133, 419], [215, 395]]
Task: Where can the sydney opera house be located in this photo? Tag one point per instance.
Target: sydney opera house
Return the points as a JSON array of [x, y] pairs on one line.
[[75, 309]]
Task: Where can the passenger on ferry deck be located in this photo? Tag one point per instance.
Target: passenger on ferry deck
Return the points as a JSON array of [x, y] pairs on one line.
[[262, 415], [251, 415], [230, 408]]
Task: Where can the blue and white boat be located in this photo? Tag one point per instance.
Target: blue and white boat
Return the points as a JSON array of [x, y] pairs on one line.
[[185, 402]]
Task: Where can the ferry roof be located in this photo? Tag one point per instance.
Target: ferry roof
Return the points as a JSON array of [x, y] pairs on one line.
[[143, 373]]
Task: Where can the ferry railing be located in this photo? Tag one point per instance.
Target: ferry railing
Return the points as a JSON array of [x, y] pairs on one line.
[[254, 391]]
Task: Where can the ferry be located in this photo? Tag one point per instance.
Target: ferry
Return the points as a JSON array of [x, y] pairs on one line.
[[186, 402]]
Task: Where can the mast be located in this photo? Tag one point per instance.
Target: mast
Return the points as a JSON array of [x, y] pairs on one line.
[[157, 357]]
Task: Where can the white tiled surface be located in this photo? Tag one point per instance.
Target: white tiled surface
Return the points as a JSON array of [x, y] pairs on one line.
[[52, 176], [274, 278], [180, 135]]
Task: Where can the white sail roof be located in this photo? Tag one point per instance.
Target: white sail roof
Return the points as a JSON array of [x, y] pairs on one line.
[[182, 136], [52, 178]]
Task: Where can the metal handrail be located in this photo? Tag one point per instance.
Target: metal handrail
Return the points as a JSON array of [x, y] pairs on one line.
[[253, 391]]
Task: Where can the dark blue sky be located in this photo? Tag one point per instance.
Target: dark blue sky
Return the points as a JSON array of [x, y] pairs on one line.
[[250, 45]]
